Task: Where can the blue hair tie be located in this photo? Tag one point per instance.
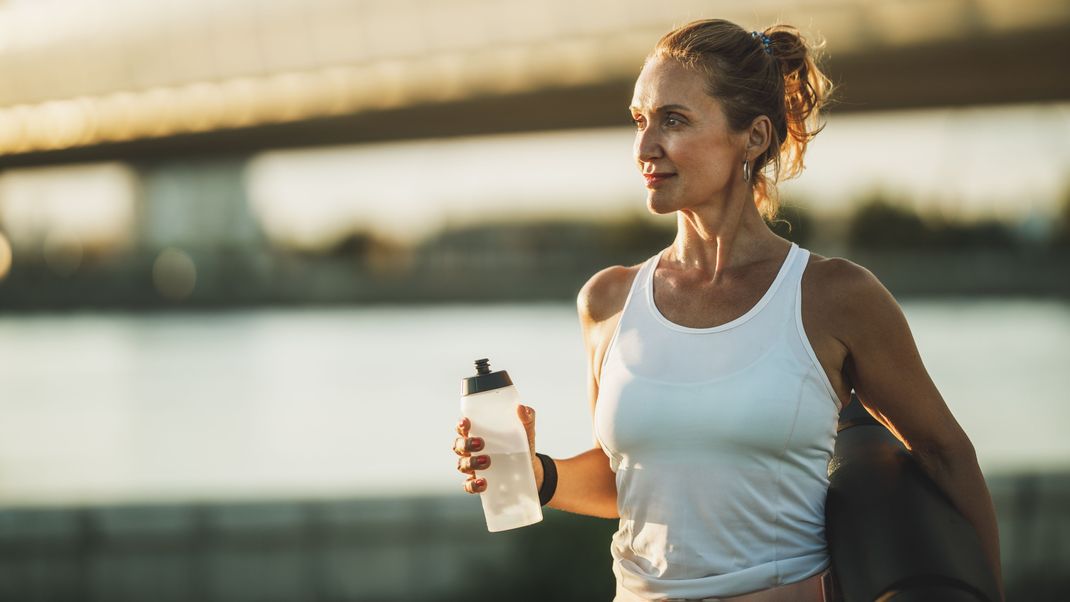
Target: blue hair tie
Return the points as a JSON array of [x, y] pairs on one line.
[[766, 42]]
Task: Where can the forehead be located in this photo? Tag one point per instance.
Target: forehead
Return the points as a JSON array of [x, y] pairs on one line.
[[668, 82]]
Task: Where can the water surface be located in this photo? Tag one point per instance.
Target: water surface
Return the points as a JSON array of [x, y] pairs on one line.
[[362, 401]]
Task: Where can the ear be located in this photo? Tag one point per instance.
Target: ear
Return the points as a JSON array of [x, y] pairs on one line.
[[759, 137]]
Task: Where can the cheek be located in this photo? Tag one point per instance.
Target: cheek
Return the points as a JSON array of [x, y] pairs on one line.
[[704, 158]]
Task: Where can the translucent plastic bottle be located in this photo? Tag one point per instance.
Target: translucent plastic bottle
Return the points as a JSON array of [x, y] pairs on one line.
[[490, 401]]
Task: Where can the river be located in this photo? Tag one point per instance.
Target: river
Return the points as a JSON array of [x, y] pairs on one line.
[[283, 403]]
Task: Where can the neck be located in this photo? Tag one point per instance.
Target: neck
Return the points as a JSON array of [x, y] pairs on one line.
[[718, 237]]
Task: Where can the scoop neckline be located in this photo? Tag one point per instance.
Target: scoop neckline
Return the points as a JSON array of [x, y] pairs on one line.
[[750, 313]]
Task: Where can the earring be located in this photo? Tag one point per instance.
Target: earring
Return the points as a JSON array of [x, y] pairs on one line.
[[746, 170]]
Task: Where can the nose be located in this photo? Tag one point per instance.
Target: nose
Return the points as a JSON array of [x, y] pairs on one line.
[[647, 146]]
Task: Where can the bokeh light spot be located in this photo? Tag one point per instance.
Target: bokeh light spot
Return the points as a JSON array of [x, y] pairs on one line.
[[5, 256], [174, 274]]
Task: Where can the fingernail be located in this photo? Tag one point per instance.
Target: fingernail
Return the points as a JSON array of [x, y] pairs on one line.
[[477, 444], [481, 482], [482, 461]]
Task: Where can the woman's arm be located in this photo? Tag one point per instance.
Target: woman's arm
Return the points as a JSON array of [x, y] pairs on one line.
[[585, 483], [890, 380]]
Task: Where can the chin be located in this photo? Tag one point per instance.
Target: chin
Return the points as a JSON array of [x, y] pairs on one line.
[[659, 205]]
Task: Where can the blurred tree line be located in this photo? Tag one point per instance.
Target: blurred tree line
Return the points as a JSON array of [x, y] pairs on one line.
[[882, 224], [524, 259], [877, 224]]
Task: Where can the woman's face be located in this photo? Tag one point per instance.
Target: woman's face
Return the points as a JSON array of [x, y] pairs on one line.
[[683, 146]]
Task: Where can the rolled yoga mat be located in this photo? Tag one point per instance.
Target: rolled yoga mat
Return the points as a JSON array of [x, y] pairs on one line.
[[892, 533]]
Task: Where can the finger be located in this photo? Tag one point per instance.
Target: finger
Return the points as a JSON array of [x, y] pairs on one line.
[[527, 418], [463, 427], [473, 463], [470, 464], [462, 446], [474, 485], [526, 413]]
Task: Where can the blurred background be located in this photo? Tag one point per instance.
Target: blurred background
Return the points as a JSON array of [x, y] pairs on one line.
[[248, 249]]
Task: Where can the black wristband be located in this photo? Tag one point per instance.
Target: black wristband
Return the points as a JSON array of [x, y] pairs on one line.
[[549, 478]]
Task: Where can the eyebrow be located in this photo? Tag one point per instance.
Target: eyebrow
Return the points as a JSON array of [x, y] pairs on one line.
[[662, 109]]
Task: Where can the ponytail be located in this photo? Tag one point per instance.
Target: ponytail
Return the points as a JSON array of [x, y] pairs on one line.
[[806, 91]]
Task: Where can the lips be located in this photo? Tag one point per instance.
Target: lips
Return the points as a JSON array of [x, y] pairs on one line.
[[653, 180]]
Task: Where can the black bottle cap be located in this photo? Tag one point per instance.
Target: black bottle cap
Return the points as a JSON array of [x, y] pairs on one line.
[[485, 380]]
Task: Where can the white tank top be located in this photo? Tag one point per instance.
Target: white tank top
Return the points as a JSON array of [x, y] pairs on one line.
[[720, 439]]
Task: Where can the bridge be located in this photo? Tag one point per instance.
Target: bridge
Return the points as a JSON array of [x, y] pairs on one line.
[[126, 78]]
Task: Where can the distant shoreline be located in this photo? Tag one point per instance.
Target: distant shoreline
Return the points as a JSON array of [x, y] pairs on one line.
[[249, 281]]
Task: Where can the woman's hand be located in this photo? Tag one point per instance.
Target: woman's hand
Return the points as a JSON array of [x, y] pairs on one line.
[[464, 445]]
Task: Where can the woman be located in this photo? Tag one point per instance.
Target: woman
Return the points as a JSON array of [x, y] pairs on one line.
[[718, 367]]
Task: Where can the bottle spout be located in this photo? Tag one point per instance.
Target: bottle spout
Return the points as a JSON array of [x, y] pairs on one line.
[[484, 379]]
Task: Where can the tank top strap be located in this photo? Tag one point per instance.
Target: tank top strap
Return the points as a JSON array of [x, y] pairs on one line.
[[795, 271], [778, 303], [783, 297], [636, 296], [802, 339]]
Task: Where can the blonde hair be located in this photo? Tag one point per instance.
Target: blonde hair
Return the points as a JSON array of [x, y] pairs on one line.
[[783, 83]]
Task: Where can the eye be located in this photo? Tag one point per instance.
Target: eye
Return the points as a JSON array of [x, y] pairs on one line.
[[672, 120]]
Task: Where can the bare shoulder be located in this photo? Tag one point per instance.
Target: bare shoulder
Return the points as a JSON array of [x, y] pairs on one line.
[[604, 294], [839, 278], [848, 296], [884, 366], [600, 303]]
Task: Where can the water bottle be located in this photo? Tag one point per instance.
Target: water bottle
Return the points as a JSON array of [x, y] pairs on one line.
[[490, 401]]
